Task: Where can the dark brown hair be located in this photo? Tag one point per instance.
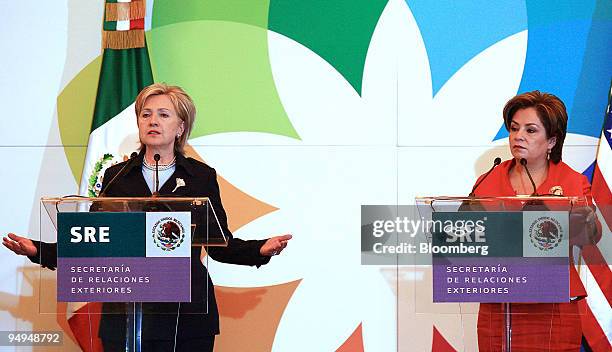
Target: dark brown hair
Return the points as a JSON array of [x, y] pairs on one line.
[[551, 112]]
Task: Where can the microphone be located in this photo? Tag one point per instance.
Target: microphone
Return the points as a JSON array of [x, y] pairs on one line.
[[524, 163], [120, 173], [156, 157], [496, 162]]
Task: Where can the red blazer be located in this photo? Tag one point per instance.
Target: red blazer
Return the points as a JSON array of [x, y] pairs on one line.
[[536, 327], [572, 182]]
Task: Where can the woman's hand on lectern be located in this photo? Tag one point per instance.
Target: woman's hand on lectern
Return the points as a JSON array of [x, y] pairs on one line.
[[19, 245], [274, 245]]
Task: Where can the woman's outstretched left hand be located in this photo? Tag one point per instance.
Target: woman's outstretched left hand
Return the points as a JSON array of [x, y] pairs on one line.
[[274, 245]]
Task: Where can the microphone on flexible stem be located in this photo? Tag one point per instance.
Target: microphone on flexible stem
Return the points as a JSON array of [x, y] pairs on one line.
[[496, 162], [156, 157], [120, 173], [534, 204], [472, 205], [524, 163], [154, 205]]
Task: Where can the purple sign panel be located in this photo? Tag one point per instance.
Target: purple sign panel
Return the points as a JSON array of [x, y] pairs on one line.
[[121, 279], [498, 279]]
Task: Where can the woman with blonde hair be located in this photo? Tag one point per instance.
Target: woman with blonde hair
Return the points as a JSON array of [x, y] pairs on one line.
[[165, 116]]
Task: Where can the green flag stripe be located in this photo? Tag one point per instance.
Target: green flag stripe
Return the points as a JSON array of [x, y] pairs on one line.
[[110, 25], [123, 75]]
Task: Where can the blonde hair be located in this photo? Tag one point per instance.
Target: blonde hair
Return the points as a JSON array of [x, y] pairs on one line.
[[185, 109]]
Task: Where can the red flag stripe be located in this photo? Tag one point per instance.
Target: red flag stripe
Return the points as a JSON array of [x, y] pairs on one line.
[[600, 269], [592, 331], [85, 324], [137, 23], [602, 195]]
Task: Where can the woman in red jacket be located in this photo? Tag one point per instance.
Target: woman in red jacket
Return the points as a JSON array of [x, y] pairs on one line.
[[537, 124]]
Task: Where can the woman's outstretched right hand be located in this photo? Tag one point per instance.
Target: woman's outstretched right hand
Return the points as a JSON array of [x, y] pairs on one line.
[[19, 245]]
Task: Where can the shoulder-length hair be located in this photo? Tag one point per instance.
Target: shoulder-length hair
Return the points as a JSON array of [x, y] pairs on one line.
[[185, 109], [551, 112]]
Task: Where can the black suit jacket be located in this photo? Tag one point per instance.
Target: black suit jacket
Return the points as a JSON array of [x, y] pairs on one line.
[[199, 317]]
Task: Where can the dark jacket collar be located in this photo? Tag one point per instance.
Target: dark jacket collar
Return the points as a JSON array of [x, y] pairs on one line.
[[181, 161]]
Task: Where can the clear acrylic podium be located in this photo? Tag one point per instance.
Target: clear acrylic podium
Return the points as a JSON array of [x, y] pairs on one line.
[[205, 231], [581, 227]]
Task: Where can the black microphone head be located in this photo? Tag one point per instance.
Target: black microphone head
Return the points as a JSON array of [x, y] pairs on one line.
[[133, 155], [523, 161], [496, 162], [156, 157]]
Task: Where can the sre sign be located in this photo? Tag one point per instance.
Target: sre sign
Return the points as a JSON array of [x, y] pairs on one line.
[[89, 234]]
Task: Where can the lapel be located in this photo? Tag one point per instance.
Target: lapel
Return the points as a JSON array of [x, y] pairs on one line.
[[551, 179], [506, 186], [171, 187], [183, 175], [134, 184]]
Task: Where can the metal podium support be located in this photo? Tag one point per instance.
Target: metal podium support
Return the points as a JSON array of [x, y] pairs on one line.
[[507, 342]]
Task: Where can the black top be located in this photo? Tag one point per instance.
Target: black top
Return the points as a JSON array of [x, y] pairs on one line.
[[197, 318]]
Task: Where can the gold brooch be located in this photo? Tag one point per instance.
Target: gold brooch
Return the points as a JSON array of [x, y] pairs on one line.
[[556, 190]]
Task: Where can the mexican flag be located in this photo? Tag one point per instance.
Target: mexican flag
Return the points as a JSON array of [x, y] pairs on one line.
[[125, 71]]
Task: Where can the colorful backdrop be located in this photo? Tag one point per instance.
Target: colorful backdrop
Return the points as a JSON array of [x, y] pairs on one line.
[[307, 109]]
